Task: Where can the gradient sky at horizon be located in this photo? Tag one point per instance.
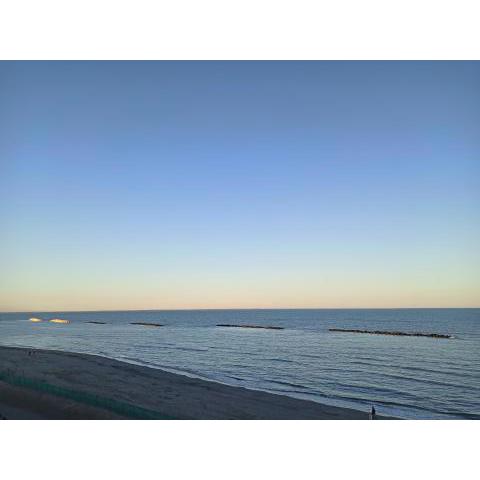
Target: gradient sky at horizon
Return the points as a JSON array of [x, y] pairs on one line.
[[142, 185]]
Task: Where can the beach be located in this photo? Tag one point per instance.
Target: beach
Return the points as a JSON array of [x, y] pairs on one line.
[[145, 389]]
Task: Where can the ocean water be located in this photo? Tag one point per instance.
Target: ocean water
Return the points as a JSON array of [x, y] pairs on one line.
[[408, 377]]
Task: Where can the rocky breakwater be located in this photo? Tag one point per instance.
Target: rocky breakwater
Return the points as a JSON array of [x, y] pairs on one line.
[[147, 324], [268, 327], [394, 333]]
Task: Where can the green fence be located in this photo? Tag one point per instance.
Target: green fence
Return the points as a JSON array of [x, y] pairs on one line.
[[115, 406]]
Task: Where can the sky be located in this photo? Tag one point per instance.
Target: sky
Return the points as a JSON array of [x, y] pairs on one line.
[[152, 185]]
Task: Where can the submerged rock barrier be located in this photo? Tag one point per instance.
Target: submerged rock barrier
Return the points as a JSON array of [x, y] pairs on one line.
[[147, 324], [398, 334], [268, 327]]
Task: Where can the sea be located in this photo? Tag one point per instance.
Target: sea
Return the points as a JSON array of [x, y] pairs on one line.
[[406, 377]]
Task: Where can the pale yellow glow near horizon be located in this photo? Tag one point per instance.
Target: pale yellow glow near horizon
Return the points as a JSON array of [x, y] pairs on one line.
[[347, 285], [291, 296]]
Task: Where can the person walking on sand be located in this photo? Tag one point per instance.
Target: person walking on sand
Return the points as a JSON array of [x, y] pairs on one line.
[[372, 414]]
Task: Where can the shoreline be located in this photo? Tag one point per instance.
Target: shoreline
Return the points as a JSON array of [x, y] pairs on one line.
[[171, 395]]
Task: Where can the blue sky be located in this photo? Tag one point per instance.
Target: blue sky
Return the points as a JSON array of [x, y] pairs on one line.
[[239, 184]]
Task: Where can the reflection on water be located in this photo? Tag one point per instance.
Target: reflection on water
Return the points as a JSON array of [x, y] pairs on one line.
[[404, 376]]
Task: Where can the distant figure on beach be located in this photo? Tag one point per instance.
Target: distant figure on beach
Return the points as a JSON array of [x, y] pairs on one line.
[[372, 413]]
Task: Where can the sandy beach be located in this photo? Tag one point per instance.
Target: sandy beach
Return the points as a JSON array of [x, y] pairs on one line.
[[171, 395]]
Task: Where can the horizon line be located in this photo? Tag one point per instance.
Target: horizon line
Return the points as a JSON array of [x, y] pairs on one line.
[[236, 308]]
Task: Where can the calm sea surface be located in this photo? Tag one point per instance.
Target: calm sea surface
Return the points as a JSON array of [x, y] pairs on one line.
[[409, 377]]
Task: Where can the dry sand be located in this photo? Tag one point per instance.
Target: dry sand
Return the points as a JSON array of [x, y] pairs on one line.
[[174, 395]]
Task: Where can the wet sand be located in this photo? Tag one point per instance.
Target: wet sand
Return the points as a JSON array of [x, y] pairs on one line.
[[169, 394], [17, 403]]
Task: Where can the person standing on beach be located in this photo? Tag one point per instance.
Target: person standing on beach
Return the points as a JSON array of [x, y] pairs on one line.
[[372, 414]]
